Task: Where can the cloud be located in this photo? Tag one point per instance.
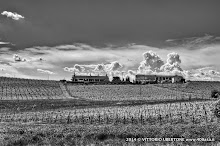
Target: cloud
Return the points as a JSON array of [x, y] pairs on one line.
[[151, 61], [172, 64], [76, 68], [11, 71], [206, 73], [2, 69], [100, 68], [13, 15], [195, 42], [173, 58], [171, 67], [18, 58], [45, 71], [4, 43], [114, 66], [213, 72], [131, 72], [110, 67], [4, 49], [79, 68], [104, 60], [69, 69]]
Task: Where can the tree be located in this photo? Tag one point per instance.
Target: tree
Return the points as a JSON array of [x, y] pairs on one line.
[[214, 93]]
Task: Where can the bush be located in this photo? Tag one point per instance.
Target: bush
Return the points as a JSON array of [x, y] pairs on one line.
[[214, 93]]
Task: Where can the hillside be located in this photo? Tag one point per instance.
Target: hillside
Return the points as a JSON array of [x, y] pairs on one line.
[[29, 89]]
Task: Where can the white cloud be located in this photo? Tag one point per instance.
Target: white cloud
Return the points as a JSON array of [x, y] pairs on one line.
[[69, 69], [173, 63], [18, 58], [45, 71], [151, 61], [99, 68], [110, 67], [4, 43], [173, 58], [79, 68], [13, 15], [76, 68], [63, 57], [113, 66]]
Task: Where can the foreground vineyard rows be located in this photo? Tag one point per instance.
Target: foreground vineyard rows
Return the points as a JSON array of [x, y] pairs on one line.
[[196, 112]]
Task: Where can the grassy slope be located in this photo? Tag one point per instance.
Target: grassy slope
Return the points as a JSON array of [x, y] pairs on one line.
[[24, 134]]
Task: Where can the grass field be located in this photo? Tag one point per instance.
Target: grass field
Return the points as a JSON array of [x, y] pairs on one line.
[[51, 113], [71, 134]]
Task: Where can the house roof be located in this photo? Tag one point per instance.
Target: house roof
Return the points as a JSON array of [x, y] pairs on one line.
[[145, 75], [90, 77], [141, 75]]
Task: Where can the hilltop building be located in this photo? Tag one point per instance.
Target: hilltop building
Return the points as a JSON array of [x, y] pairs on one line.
[[89, 79], [159, 79]]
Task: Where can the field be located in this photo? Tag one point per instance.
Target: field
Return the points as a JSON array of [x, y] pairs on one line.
[[131, 92], [37, 112], [182, 112], [199, 87], [28, 89]]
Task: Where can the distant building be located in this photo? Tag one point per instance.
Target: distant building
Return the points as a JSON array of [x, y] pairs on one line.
[[145, 78], [89, 79], [159, 79]]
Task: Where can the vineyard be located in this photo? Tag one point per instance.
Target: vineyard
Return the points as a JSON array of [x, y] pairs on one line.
[[92, 126], [128, 109], [200, 87], [29, 89], [185, 112], [131, 92]]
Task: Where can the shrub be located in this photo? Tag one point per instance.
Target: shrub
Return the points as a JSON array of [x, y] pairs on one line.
[[214, 93]]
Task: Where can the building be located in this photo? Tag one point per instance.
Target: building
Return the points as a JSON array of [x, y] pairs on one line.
[[89, 79], [143, 79]]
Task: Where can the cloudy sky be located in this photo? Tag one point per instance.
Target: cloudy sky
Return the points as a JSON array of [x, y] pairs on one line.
[[58, 38]]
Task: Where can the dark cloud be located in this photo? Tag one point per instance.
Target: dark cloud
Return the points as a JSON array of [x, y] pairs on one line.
[[99, 22], [195, 42]]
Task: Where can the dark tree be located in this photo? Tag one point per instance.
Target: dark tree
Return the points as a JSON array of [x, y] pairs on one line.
[[214, 93]]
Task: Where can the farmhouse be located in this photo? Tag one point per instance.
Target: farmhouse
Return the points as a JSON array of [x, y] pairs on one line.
[[159, 78], [89, 79]]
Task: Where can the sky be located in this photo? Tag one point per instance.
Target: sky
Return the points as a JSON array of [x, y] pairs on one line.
[[53, 38]]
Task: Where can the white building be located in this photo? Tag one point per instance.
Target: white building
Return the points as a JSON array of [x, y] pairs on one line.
[[159, 78], [90, 79]]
